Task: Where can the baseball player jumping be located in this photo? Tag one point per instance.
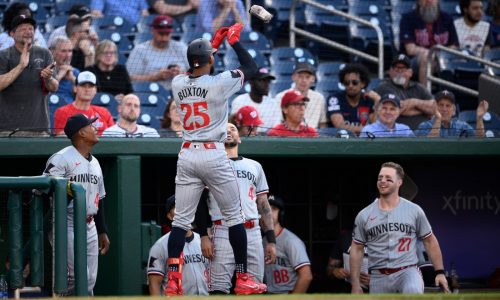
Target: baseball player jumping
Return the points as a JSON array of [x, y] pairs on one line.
[[389, 228], [202, 102], [253, 193], [77, 163]]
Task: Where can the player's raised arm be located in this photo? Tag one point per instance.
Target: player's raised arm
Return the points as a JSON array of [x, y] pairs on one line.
[[248, 65]]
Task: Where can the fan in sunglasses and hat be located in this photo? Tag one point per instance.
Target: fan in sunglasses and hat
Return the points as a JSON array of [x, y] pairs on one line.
[[446, 124]]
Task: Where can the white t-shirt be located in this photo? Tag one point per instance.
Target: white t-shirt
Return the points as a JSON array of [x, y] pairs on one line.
[[141, 131], [472, 38], [269, 110], [315, 109]]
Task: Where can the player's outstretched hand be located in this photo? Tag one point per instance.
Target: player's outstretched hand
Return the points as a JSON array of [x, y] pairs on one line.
[[233, 34], [103, 243], [442, 282], [207, 248], [219, 37]]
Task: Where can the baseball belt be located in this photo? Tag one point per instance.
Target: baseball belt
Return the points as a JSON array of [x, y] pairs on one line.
[[389, 271], [249, 224]]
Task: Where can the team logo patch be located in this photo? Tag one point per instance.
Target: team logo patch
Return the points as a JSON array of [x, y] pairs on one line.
[[152, 261]]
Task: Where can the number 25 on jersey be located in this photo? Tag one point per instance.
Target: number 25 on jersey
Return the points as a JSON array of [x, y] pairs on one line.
[[195, 116]]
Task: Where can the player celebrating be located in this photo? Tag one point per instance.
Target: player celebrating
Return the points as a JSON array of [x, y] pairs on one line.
[[202, 102], [253, 193], [77, 163], [389, 228]]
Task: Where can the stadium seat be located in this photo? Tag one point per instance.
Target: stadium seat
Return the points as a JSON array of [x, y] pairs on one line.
[[151, 99], [231, 60], [329, 70], [108, 101], [151, 87], [121, 40], [279, 86], [279, 26], [55, 22], [280, 54], [63, 6], [189, 36], [490, 119], [40, 13], [451, 8], [374, 83], [493, 55], [116, 23], [283, 70], [151, 116], [142, 37], [329, 86], [256, 40], [189, 23], [335, 132]]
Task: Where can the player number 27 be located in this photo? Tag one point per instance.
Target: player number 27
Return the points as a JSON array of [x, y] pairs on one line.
[[194, 110], [404, 244]]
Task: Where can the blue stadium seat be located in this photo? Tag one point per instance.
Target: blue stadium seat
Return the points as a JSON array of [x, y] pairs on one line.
[[189, 23], [279, 86], [151, 116], [374, 83], [329, 86], [283, 70], [142, 37], [493, 55], [40, 12], [121, 40], [188, 36], [335, 132], [329, 70], [151, 99], [63, 6], [231, 60], [151, 87], [451, 8], [55, 22], [279, 25], [116, 23], [490, 119], [257, 41], [280, 54], [108, 101]]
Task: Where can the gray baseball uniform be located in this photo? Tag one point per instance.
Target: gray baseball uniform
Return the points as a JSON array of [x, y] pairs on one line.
[[291, 255], [195, 267], [390, 238], [69, 163], [252, 182], [203, 108]]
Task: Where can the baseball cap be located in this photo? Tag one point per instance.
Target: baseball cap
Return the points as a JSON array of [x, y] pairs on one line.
[[304, 67], [248, 116], [276, 201], [390, 98], [170, 203], [445, 94], [292, 96], [75, 123], [21, 19], [86, 77], [401, 59], [80, 10], [263, 73], [163, 23]]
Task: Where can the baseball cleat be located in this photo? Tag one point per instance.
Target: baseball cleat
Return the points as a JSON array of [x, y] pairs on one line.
[[245, 285], [174, 284]]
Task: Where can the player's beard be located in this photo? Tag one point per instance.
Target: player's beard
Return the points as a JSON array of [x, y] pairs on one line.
[[429, 14], [231, 144], [130, 118]]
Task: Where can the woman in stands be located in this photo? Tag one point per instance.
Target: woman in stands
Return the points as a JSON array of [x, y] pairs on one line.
[[112, 77], [171, 125]]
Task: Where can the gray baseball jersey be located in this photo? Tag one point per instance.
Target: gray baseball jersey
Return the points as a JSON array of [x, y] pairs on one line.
[[252, 182], [391, 236], [202, 104], [291, 255], [195, 267], [69, 163]]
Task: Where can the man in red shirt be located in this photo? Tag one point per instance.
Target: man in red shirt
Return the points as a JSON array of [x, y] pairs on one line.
[[293, 107], [85, 90]]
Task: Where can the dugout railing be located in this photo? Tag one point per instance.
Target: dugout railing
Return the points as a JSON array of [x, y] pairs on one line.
[[39, 186], [379, 60]]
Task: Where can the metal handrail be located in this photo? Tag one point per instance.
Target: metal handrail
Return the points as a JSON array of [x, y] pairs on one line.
[[294, 30], [430, 78]]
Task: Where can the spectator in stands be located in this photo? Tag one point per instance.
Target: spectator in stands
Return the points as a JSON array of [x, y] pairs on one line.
[[423, 28], [78, 32], [129, 110], [177, 9], [471, 31], [267, 107], [352, 109], [293, 105], [112, 77], [214, 14], [303, 77], [247, 120], [159, 59], [388, 110], [171, 125], [85, 91], [77, 11], [25, 79], [129, 10], [494, 37], [417, 104], [62, 51], [14, 10], [445, 123]]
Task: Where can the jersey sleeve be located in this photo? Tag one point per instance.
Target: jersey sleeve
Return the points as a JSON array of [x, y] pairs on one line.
[[296, 253], [56, 166], [102, 191], [423, 226], [232, 82], [157, 260], [358, 233], [261, 183]]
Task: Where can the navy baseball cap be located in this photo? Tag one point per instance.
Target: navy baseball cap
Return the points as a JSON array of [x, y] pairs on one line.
[[170, 203], [445, 94], [276, 201], [263, 73], [75, 123], [390, 98], [22, 19], [401, 59]]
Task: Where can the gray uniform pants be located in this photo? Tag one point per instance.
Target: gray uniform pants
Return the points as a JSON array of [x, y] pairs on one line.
[[407, 281]]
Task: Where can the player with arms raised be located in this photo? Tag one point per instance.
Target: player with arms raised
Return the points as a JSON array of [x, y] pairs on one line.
[[202, 104]]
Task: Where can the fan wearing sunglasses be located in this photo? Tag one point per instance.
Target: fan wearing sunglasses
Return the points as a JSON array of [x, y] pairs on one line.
[[352, 108]]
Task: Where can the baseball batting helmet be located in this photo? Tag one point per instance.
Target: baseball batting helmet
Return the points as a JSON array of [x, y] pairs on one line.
[[278, 202], [199, 52]]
